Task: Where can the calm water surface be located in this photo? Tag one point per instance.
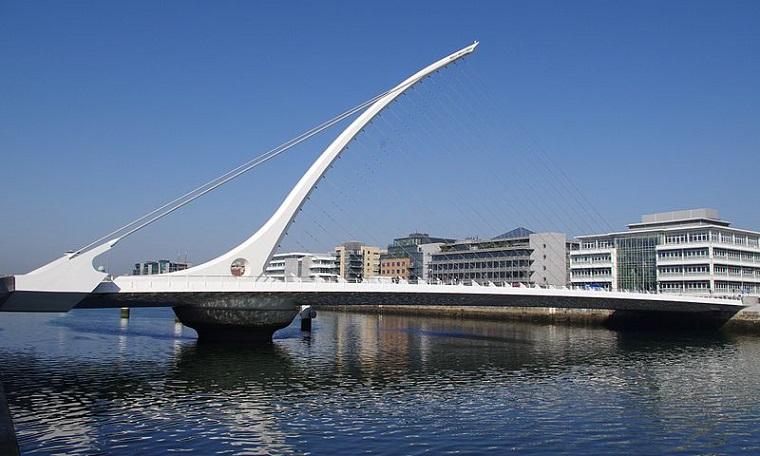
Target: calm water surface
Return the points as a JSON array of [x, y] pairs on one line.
[[90, 383]]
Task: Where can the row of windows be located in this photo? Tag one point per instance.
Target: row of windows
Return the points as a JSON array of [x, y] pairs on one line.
[[712, 236], [705, 269], [393, 263], [693, 269], [685, 237], [480, 265], [591, 258], [393, 271], [592, 272], [683, 253], [737, 287], [682, 238], [730, 238], [512, 275], [670, 286], [736, 271], [447, 256], [602, 244], [736, 255]]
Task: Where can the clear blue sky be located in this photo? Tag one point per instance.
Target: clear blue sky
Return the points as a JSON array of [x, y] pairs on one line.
[[108, 109]]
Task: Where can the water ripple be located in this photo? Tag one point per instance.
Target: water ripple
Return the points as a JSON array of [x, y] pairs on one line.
[[89, 383]]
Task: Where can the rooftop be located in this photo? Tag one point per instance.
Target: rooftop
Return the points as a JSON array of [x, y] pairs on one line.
[[519, 232], [687, 216], [675, 220]]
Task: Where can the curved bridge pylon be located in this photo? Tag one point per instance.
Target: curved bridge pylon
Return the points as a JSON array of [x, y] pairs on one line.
[[63, 283]]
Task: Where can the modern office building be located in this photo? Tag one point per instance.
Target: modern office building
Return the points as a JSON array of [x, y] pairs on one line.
[[519, 256], [691, 251], [357, 261], [159, 267], [406, 257], [310, 266]]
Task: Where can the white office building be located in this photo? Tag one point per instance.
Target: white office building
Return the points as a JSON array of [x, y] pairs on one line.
[[690, 252], [519, 256], [307, 266]]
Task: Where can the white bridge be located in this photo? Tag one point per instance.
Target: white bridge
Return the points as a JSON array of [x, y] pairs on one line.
[[228, 294]]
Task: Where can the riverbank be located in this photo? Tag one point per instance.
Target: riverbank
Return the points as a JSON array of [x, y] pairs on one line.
[[746, 320]]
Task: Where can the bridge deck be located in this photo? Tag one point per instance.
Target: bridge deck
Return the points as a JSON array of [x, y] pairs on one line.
[[174, 290]]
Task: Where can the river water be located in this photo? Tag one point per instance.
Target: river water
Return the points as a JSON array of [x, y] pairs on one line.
[[88, 382]]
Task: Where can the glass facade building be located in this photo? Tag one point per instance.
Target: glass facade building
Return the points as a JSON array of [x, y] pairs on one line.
[[637, 262], [689, 252]]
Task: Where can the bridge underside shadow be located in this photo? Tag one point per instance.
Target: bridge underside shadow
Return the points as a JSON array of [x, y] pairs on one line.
[[617, 314], [256, 316], [671, 321]]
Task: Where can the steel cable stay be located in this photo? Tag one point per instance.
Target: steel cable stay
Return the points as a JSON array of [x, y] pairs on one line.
[[368, 166], [399, 134], [424, 119], [529, 183], [367, 169], [448, 149], [363, 173], [386, 143], [542, 196], [429, 125], [479, 89], [528, 149], [544, 191], [177, 203], [520, 213], [556, 251]]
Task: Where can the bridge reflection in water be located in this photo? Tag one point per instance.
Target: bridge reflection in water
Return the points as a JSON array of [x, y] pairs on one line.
[[82, 384]]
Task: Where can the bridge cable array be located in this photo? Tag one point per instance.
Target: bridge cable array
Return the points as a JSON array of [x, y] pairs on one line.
[[426, 117], [215, 183]]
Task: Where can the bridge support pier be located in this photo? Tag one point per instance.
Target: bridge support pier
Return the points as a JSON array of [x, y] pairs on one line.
[[237, 318], [307, 314]]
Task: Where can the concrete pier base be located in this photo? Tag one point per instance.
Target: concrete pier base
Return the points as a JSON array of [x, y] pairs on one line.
[[237, 318], [307, 314], [124, 312], [232, 324]]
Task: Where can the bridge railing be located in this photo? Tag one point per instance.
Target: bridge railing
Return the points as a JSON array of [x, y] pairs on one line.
[[173, 282]]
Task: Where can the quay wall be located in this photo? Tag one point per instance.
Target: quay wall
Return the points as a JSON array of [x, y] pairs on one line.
[[746, 320], [531, 314]]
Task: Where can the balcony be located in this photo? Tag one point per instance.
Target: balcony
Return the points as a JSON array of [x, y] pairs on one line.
[[581, 264], [683, 260], [596, 278]]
